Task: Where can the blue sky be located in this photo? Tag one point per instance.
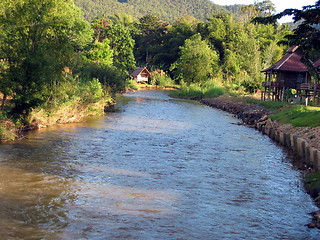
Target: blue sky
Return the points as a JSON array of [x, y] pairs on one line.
[[279, 4]]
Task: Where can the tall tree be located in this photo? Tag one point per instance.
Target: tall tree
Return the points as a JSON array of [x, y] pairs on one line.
[[259, 9], [197, 62], [152, 30], [168, 52], [101, 53], [120, 40], [39, 40], [122, 45], [306, 35]]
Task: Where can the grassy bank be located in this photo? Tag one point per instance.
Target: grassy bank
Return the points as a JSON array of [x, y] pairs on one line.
[[72, 101], [210, 89], [71, 111], [299, 116], [68, 112]]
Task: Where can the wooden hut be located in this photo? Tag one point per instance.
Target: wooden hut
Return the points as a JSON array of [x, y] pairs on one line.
[[141, 75], [288, 73]]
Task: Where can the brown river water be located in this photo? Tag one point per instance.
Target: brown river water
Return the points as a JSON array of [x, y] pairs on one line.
[[159, 168]]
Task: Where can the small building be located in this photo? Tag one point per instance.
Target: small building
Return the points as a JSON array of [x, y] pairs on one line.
[[141, 75], [288, 73]]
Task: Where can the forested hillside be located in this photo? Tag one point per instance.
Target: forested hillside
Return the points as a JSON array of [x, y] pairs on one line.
[[168, 10]]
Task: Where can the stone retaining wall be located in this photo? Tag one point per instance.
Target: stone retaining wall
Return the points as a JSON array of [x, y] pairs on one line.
[[299, 146], [257, 117]]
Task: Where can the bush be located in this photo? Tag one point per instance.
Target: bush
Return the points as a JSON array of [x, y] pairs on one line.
[[6, 133], [160, 78], [132, 84], [209, 89], [110, 77], [90, 91]]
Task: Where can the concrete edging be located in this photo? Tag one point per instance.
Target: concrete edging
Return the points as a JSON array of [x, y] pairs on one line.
[[299, 146]]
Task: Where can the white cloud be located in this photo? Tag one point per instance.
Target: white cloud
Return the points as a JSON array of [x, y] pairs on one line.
[[280, 5]]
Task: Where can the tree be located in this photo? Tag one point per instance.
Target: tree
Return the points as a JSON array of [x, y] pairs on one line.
[[122, 45], [119, 38], [306, 35], [197, 61], [101, 53], [39, 40], [168, 52], [122, 19], [152, 30], [258, 9]]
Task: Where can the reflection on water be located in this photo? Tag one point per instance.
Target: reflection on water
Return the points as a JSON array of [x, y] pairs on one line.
[[158, 169]]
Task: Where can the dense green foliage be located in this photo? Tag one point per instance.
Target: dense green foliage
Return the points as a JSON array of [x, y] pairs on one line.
[[168, 10], [209, 89], [51, 55], [197, 61], [39, 40]]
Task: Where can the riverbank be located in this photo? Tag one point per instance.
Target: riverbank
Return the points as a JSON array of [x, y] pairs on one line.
[[303, 143], [69, 112]]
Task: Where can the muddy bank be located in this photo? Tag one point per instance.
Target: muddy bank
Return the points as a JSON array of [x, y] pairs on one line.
[[302, 143]]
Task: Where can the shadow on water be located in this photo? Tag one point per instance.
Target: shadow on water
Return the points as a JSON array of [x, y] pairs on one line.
[[158, 169]]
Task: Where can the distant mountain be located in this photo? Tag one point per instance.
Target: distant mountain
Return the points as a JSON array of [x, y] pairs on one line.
[[168, 10]]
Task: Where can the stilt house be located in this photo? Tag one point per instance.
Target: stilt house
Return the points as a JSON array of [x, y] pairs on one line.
[[288, 73]]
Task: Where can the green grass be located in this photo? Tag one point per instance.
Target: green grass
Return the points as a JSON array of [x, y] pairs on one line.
[[5, 133], [133, 85], [163, 80], [312, 180], [267, 104], [299, 116], [209, 90]]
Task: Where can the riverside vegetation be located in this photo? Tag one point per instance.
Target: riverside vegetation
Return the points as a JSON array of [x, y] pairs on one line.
[[56, 67]]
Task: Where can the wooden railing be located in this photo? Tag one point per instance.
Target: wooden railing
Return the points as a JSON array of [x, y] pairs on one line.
[[309, 87], [272, 84]]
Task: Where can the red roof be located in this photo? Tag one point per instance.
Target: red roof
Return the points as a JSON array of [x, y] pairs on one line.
[[291, 62], [317, 64]]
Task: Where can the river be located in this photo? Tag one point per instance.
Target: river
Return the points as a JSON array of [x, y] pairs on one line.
[[159, 168]]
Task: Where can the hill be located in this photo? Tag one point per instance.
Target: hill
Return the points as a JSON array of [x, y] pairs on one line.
[[168, 10]]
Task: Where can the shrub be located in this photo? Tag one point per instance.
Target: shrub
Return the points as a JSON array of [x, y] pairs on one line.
[[160, 78], [209, 89], [90, 91]]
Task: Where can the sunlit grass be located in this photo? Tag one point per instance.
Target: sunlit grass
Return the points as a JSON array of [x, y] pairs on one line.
[[210, 89], [266, 104], [299, 116]]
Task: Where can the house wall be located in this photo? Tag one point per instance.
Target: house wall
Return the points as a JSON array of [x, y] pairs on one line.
[[143, 76], [292, 79]]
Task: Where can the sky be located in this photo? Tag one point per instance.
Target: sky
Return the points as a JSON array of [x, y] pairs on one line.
[[279, 4]]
